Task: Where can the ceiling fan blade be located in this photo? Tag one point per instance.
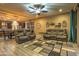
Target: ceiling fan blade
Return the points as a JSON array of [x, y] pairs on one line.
[[42, 7], [32, 11], [45, 11], [39, 6], [31, 7]]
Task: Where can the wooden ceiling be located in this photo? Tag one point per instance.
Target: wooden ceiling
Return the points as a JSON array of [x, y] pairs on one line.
[[18, 12]]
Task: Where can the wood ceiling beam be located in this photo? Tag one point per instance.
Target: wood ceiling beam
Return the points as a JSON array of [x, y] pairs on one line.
[[9, 11]]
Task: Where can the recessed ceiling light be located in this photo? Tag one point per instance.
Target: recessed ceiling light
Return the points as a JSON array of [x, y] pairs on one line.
[[60, 10]]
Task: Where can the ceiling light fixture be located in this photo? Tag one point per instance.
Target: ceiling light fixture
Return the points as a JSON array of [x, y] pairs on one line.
[[37, 11], [60, 10], [36, 8]]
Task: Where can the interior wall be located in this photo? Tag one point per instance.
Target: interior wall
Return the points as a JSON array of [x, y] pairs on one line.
[[59, 19], [78, 27], [41, 24]]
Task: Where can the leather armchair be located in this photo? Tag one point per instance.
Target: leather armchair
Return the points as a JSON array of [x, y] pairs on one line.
[[62, 36]]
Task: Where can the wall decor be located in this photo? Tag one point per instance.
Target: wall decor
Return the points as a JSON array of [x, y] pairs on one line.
[[58, 25], [38, 25], [50, 24], [47, 24], [64, 24]]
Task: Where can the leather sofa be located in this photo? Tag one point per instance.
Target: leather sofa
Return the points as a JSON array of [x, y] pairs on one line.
[[24, 37], [56, 34], [49, 36]]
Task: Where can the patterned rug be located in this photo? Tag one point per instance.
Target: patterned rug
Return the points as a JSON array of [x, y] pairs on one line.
[[44, 48]]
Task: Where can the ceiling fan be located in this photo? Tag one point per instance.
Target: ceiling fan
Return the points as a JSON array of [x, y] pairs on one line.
[[37, 9]]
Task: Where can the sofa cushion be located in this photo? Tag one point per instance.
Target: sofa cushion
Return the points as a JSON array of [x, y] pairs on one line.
[[23, 37]]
